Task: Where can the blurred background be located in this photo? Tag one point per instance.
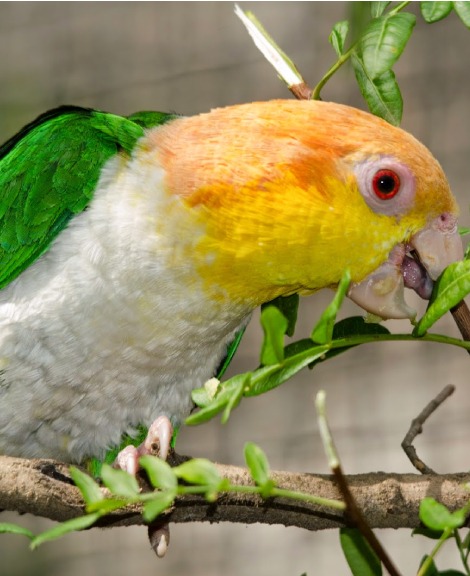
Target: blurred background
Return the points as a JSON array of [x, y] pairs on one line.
[[190, 57]]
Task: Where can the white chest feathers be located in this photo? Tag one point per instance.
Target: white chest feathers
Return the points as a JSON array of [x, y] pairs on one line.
[[111, 327]]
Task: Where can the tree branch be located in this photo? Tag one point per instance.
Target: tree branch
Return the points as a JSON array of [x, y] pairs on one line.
[[42, 488], [417, 428]]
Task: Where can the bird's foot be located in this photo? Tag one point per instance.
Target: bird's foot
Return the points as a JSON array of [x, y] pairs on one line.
[[157, 441]]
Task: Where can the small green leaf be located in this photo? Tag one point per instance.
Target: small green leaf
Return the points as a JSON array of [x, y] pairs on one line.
[[360, 557], [160, 502], [436, 516], [257, 463], [119, 482], [427, 532], [463, 12], [160, 473], [384, 41], [107, 505], [357, 326], [274, 326], [338, 35], [431, 568], [451, 287], [235, 396], [382, 94], [323, 331], [224, 396], [7, 528], [199, 471], [90, 489], [269, 377], [289, 306], [72, 525], [208, 412], [205, 395], [466, 255], [377, 8], [435, 11]]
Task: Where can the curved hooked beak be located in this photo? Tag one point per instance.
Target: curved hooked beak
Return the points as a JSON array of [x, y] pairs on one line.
[[416, 264]]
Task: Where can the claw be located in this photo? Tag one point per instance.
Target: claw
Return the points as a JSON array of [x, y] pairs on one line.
[[159, 435], [128, 460], [159, 537]]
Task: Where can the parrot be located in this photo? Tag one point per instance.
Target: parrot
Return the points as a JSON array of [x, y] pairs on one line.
[[133, 250]]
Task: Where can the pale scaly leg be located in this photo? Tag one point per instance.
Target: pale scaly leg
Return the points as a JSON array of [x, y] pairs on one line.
[[158, 439]]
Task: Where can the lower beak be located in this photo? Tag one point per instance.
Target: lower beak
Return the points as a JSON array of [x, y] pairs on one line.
[[415, 265]]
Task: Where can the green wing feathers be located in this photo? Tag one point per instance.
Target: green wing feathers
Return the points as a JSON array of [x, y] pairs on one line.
[[48, 174]]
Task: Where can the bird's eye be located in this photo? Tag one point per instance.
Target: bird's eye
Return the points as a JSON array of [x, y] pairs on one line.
[[386, 184]]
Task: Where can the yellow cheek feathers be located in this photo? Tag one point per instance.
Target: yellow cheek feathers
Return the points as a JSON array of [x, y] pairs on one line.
[[278, 237]]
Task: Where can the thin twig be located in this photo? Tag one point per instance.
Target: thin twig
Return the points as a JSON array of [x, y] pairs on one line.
[[461, 315], [417, 428], [353, 512], [355, 516]]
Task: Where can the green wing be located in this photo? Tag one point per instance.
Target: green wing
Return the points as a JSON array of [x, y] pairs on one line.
[[48, 174]]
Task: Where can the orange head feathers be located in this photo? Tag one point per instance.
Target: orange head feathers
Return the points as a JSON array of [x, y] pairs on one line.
[[291, 193]]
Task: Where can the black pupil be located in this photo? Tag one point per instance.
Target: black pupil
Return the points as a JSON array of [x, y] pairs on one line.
[[386, 184]]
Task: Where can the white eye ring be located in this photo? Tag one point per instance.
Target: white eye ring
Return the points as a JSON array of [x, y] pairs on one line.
[[401, 200]]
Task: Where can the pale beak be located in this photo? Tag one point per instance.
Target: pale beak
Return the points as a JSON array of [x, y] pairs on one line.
[[415, 265]]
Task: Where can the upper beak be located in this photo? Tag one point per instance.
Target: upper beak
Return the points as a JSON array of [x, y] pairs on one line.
[[414, 265]]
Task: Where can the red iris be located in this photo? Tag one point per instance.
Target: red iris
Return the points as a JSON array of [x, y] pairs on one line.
[[386, 184]]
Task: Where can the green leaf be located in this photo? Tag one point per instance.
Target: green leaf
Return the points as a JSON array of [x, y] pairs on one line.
[[72, 525], [431, 569], [119, 482], [274, 326], [357, 326], [199, 471], [236, 394], [436, 516], [323, 331], [90, 489], [7, 528], [338, 35], [360, 557], [466, 255], [160, 473], [451, 287], [257, 463], [463, 12], [160, 502], [435, 11], [349, 328], [427, 532], [384, 41], [382, 94], [289, 306], [205, 395], [377, 8], [107, 505], [269, 377], [223, 397]]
